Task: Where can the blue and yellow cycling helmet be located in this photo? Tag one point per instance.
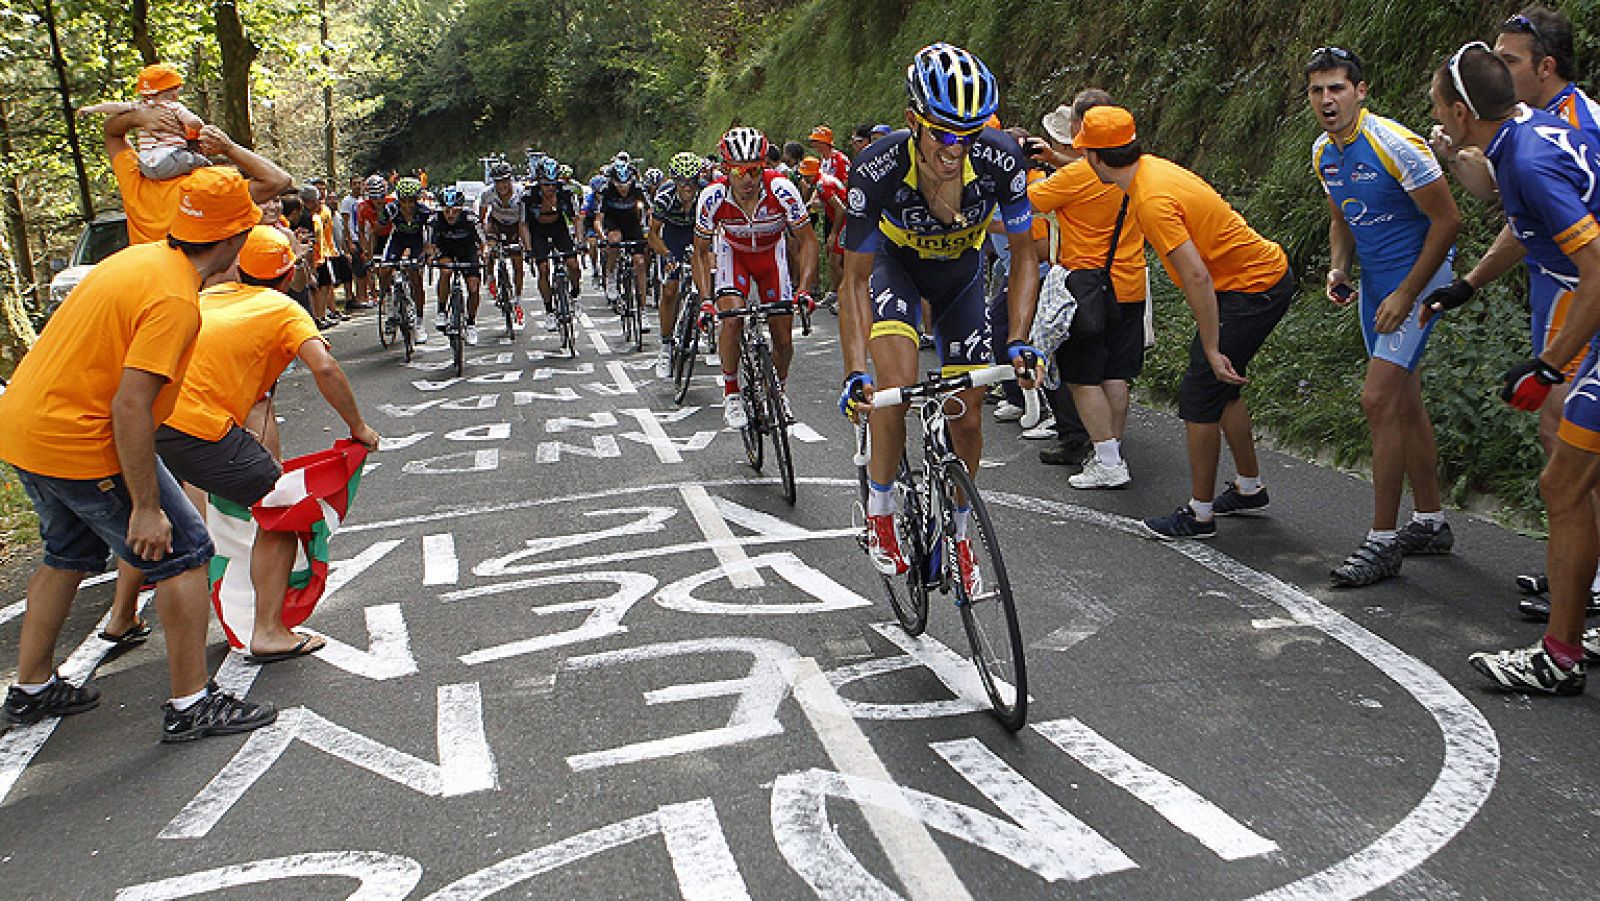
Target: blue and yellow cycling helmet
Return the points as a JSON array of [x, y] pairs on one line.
[[951, 88], [407, 189]]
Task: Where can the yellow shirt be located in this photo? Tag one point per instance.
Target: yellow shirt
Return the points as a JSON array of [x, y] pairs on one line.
[[1173, 205], [326, 249], [1086, 213], [150, 204], [136, 310], [247, 336]]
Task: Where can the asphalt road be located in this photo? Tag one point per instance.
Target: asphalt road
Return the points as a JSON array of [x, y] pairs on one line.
[[578, 648]]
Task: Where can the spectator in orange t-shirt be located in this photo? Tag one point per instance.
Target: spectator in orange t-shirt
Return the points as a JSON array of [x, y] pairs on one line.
[[80, 421], [1238, 285], [151, 204]]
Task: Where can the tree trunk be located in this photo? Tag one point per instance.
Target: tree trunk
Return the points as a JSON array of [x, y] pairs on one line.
[[139, 20], [11, 199], [58, 64], [327, 97], [238, 53]]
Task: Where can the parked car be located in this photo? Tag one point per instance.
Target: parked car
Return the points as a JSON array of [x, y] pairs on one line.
[[106, 235]]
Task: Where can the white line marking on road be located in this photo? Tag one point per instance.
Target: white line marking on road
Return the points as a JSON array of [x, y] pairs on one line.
[[383, 877], [604, 619], [804, 433], [666, 451], [730, 553], [388, 654], [439, 563], [619, 374], [922, 867], [595, 337], [1175, 802]]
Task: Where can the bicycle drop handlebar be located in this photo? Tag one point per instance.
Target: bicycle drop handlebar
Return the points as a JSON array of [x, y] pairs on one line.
[[893, 397]]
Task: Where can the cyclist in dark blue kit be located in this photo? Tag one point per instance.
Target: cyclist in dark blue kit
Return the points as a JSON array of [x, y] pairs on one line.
[[918, 206], [455, 238], [407, 220]]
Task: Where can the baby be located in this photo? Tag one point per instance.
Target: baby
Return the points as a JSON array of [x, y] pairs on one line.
[[163, 149]]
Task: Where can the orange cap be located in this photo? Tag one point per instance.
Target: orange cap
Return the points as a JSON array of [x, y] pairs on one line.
[[821, 133], [157, 78], [213, 205], [1105, 126], [810, 167], [266, 254]]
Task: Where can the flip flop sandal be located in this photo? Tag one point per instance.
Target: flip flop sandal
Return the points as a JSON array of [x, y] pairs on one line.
[[303, 649], [135, 634]]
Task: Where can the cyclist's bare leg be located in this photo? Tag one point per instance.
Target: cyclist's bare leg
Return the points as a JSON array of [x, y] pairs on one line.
[[574, 273], [418, 298], [516, 273], [782, 330], [731, 329], [544, 286], [638, 276], [474, 286], [894, 364], [668, 312]]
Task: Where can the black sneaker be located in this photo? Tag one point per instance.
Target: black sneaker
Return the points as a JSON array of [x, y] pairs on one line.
[[1372, 562], [1533, 583], [1181, 523], [59, 698], [218, 713], [1064, 453], [1537, 606], [1230, 501], [1418, 539], [1530, 670], [1591, 645]]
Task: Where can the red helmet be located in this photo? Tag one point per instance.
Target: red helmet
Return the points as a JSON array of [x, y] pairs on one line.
[[743, 145]]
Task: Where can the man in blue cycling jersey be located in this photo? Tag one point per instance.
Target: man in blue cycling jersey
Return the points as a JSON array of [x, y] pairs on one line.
[[1548, 174], [407, 220], [1391, 208], [672, 236], [918, 205]]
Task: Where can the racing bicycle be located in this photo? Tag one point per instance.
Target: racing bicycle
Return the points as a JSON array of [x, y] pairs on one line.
[[686, 329], [397, 310], [561, 291], [629, 305], [455, 328], [502, 285], [761, 392], [929, 496]]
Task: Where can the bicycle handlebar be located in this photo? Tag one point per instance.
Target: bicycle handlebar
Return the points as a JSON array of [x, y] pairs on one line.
[[457, 266], [989, 375], [779, 307]]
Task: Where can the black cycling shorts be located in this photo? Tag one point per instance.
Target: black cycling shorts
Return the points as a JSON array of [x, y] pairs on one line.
[[547, 236], [629, 226], [953, 289], [400, 243], [1243, 323], [1116, 354], [475, 271], [236, 467]]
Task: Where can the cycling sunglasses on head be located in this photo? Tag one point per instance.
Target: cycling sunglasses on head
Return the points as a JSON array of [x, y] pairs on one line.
[[949, 137], [1455, 73], [1524, 25], [1338, 53]]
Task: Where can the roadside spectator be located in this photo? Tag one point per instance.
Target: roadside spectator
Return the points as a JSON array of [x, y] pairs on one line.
[[323, 251], [360, 272], [1389, 208], [298, 221], [833, 161], [1105, 349], [860, 138], [164, 143], [1237, 283], [80, 418]]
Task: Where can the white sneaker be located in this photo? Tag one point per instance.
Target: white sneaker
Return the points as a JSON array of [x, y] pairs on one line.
[[441, 321], [1043, 430], [664, 362], [550, 321], [1098, 475], [733, 412], [1007, 412], [472, 334], [421, 337], [788, 412]]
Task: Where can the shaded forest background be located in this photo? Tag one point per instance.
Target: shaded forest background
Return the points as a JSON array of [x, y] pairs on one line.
[[369, 85]]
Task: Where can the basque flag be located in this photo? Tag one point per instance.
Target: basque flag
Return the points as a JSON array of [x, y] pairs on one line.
[[311, 499]]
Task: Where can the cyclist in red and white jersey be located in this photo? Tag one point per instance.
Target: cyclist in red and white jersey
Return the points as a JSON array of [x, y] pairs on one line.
[[739, 227]]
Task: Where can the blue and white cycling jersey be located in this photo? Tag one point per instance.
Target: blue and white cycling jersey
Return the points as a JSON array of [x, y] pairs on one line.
[[1549, 177], [1370, 179], [1577, 108]]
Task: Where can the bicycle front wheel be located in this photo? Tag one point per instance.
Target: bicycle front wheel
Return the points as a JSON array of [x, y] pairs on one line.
[[687, 351], [987, 609], [506, 288], [777, 424], [386, 326], [407, 320], [908, 593], [750, 391], [458, 337]]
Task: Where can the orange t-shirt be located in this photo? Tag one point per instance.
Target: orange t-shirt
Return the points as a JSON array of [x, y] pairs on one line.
[[326, 249], [248, 335], [150, 204], [1086, 213], [136, 310], [1173, 205]]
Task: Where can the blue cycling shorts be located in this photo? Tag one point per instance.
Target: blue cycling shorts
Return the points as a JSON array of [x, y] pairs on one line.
[[678, 238], [954, 290], [1404, 346], [1549, 302]]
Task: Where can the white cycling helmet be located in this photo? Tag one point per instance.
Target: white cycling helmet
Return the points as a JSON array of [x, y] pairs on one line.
[[743, 144]]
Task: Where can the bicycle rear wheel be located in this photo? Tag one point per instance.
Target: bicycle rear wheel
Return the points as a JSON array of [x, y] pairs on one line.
[[750, 391], [458, 338], [504, 288], [386, 324], [777, 424], [988, 612]]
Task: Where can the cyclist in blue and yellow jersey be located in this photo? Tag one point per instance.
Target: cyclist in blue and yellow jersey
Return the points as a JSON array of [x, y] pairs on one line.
[[552, 218], [1390, 209], [504, 219], [407, 220], [1547, 172], [453, 237], [918, 205], [619, 216], [672, 236]]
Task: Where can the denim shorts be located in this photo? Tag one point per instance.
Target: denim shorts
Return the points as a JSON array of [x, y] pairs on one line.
[[82, 521]]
